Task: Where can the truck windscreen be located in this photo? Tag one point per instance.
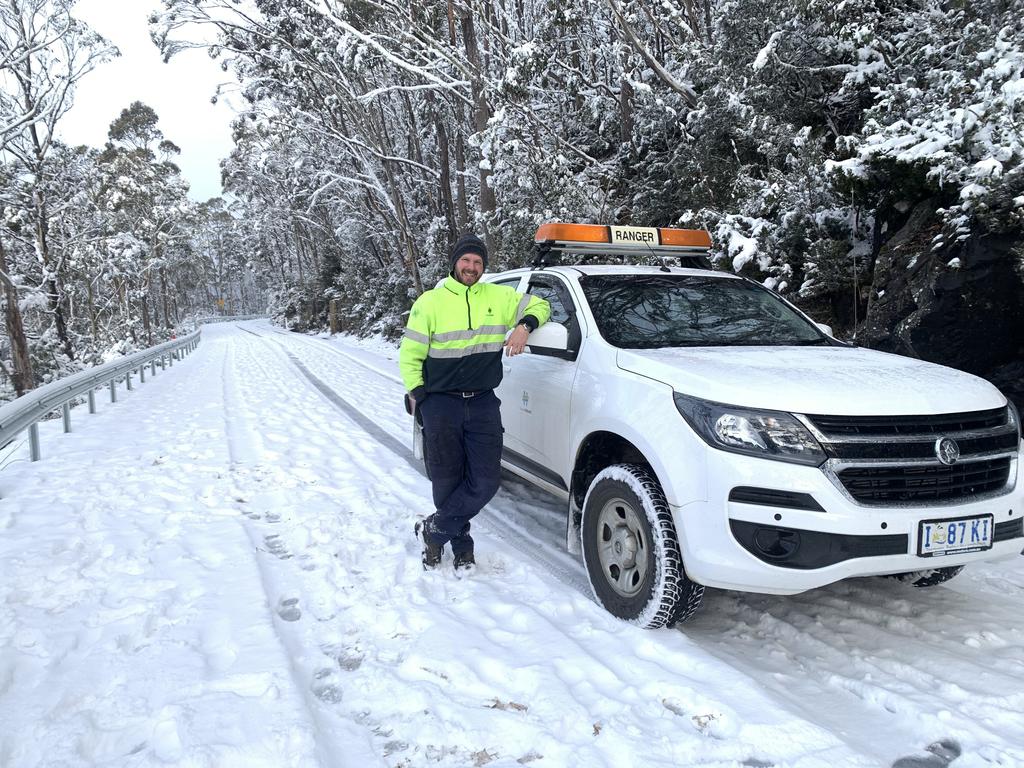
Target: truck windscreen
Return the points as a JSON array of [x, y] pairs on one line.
[[649, 311]]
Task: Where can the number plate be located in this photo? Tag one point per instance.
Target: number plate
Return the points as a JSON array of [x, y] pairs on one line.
[[951, 537]]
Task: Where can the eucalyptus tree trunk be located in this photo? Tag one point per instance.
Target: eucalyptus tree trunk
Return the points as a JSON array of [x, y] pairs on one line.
[[163, 295], [444, 158], [53, 290], [145, 319], [91, 301], [461, 204], [481, 114], [21, 376]]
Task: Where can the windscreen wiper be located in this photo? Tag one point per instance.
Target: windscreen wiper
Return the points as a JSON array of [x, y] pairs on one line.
[[812, 342]]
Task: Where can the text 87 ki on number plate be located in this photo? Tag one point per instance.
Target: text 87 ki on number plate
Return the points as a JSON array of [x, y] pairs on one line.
[[952, 537]]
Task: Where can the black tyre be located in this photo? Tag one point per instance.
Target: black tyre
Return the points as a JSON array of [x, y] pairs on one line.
[[929, 578], [631, 550]]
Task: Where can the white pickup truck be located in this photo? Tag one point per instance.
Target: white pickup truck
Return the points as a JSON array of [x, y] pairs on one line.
[[705, 432]]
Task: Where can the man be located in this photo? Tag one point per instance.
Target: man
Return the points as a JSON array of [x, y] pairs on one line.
[[450, 361]]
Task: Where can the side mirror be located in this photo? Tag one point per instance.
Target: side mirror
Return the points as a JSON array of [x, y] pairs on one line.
[[826, 328], [549, 339]]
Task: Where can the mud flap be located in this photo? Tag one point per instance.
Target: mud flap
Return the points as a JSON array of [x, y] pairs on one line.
[[418, 446], [573, 519]]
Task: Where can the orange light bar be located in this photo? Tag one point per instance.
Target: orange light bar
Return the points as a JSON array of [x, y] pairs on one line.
[[580, 233], [695, 238], [598, 233]]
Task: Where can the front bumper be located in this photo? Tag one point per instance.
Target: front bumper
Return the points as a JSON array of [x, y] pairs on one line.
[[836, 537]]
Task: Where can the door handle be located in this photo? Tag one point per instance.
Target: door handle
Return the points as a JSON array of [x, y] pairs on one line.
[[506, 369]]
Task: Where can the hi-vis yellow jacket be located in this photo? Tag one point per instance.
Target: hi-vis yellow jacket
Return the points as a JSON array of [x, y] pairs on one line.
[[454, 338]]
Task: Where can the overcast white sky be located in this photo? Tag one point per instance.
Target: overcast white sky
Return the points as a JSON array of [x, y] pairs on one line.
[[179, 91]]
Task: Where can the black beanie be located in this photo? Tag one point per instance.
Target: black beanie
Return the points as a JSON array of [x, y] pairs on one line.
[[468, 243]]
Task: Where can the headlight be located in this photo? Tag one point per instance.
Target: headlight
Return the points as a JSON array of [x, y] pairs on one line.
[[1014, 416], [766, 434]]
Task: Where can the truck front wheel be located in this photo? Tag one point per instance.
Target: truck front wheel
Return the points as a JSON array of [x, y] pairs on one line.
[[632, 552]]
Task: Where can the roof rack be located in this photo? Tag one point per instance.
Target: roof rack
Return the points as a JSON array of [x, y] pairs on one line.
[[588, 242]]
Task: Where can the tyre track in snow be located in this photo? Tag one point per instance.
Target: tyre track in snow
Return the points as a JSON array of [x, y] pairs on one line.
[[615, 678], [334, 648], [920, 667], [512, 534], [848, 656], [338, 744]]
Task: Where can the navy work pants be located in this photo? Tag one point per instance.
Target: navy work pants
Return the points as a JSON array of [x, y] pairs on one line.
[[462, 446]]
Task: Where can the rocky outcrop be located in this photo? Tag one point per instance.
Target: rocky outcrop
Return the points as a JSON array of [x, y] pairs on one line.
[[961, 306]]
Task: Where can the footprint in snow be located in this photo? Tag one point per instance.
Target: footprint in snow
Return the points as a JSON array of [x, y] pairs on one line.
[[276, 547], [349, 659], [391, 747], [288, 609], [346, 657], [325, 686], [942, 754]]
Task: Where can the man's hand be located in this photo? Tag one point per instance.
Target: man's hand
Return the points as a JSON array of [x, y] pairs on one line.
[[516, 340]]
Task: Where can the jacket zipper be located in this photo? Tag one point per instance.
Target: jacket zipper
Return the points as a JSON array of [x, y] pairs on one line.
[[469, 312]]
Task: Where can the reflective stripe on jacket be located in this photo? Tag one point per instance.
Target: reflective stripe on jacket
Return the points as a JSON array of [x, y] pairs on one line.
[[454, 338]]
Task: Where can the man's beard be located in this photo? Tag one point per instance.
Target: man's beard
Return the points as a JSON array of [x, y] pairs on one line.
[[467, 278]]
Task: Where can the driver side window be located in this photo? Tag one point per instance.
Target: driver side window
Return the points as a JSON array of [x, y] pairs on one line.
[[563, 309], [555, 295]]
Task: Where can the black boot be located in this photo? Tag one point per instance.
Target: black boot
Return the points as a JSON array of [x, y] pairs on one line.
[[431, 552], [465, 564]]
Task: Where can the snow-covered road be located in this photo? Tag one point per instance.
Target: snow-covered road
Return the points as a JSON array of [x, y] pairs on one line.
[[219, 571]]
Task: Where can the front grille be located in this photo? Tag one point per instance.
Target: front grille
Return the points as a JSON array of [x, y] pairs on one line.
[[925, 483], [889, 426], [925, 449]]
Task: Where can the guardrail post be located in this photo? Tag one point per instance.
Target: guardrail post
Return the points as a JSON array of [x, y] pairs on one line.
[[128, 380], [152, 367], [33, 442], [142, 374], [92, 401], [113, 391], [66, 415], [170, 360], [163, 362]]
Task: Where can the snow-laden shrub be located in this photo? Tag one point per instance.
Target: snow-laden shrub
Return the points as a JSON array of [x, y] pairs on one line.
[[950, 118]]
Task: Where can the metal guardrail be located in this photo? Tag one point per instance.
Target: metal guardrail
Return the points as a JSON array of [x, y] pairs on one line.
[[28, 410], [228, 318]]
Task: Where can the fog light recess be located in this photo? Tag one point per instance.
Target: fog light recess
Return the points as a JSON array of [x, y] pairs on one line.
[[776, 544]]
